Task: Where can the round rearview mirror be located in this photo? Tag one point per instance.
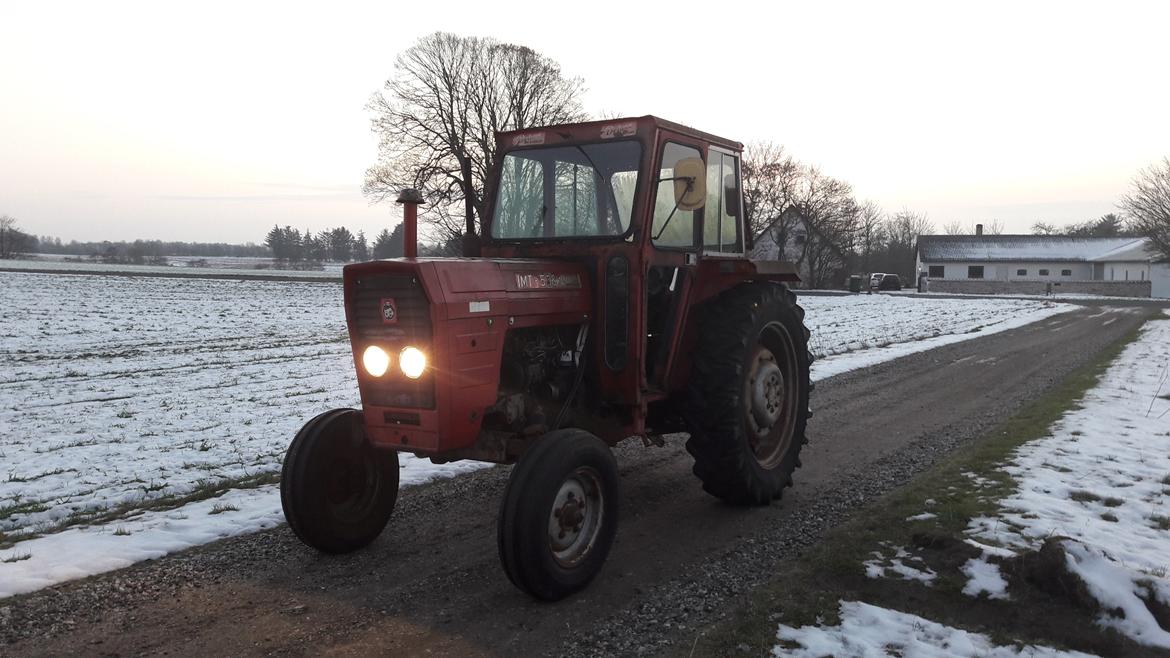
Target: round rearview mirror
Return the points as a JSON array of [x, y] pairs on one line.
[[690, 184]]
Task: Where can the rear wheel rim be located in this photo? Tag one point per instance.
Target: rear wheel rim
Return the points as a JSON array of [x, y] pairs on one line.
[[771, 394], [576, 517]]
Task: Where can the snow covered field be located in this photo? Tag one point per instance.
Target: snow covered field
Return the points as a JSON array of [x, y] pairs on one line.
[[118, 393], [222, 267]]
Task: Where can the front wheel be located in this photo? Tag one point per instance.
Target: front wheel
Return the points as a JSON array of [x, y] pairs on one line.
[[336, 489], [558, 517]]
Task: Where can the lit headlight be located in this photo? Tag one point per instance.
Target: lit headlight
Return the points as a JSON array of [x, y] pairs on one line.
[[376, 360], [413, 362]]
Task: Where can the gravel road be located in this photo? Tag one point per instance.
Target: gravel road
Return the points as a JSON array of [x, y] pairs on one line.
[[682, 561]]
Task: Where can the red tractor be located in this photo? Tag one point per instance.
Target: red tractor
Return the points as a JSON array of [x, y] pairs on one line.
[[612, 299]]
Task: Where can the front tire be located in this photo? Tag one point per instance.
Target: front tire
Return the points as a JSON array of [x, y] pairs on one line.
[[558, 517], [336, 489], [748, 403]]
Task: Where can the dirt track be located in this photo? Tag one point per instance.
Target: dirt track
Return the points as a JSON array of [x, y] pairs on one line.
[[431, 583]]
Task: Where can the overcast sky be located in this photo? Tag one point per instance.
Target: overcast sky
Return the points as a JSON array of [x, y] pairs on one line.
[[213, 121]]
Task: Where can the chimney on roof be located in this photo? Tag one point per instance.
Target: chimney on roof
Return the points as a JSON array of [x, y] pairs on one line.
[[978, 229]]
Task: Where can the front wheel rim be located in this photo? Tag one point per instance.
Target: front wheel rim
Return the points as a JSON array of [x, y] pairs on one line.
[[576, 517], [352, 479]]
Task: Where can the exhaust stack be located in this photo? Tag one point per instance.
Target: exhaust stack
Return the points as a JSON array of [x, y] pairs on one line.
[[410, 199]]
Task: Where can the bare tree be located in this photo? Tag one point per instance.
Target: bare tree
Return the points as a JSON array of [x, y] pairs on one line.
[[904, 229], [7, 226], [1148, 205], [13, 241], [995, 227], [955, 228], [1044, 228], [437, 116], [770, 178], [872, 234], [831, 218]]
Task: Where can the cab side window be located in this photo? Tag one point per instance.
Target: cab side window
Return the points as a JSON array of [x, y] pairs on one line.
[[721, 224], [672, 226]]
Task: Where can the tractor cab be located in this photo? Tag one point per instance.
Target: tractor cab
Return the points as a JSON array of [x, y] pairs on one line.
[[652, 208]]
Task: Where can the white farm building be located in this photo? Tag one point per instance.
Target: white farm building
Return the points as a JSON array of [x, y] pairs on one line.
[[1039, 264]]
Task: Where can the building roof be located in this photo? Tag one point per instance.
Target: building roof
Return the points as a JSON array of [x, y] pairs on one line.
[[1138, 251], [1023, 248]]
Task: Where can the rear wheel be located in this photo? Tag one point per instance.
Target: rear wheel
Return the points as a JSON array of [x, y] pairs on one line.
[[558, 517], [336, 489], [748, 403]]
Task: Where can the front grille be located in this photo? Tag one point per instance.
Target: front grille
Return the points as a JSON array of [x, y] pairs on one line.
[[412, 327]]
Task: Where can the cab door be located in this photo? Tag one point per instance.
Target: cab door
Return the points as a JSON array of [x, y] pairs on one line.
[[675, 242], [679, 240]]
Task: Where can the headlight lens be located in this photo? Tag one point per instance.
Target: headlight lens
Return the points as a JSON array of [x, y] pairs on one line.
[[413, 362], [376, 360]]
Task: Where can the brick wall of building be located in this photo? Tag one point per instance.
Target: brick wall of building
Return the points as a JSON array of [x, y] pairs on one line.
[[1106, 288]]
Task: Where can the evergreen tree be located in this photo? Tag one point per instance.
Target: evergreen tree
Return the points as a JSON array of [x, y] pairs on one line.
[[389, 244]]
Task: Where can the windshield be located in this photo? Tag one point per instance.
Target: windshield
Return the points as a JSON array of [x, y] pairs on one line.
[[567, 191]]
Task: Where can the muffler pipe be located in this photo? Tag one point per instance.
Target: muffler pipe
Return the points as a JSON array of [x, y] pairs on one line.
[[410, 199]]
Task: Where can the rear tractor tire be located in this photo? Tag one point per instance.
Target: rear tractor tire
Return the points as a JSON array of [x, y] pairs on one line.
[[558, 517], [336, 489], [748, 402]]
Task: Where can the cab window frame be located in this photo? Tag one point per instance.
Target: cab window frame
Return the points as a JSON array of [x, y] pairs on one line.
[[630, 231], [740, 243], [696, 245]]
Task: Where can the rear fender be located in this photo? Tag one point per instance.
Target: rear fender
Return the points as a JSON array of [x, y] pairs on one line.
[[715, 276]]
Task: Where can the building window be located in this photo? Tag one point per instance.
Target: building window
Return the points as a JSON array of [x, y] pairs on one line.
[[1066, 273], [1021, 272], [937, 271], [974, 271], [1043, 272]]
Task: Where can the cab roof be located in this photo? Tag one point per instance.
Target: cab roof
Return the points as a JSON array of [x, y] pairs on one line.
[[607, 129]]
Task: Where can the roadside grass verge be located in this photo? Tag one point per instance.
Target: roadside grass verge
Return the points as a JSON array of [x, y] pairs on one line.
[[968, 484], [130, 509]]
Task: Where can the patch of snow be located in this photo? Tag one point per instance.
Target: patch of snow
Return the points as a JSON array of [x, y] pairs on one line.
[[1102, 478], [991, 550], [901, 565], [869, 631], [925, 516], [983, 576], [1116, 587]]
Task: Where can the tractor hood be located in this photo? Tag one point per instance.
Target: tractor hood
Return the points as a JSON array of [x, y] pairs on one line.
[[456, 311], [487, 287]]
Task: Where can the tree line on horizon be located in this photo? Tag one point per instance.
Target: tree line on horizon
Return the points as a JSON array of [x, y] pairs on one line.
[[289, 245]]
